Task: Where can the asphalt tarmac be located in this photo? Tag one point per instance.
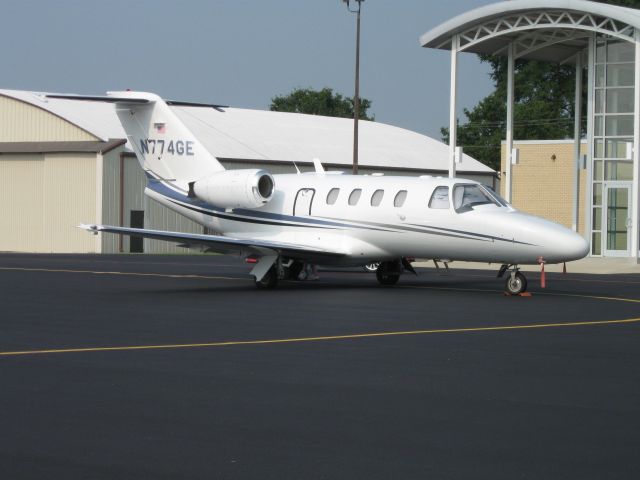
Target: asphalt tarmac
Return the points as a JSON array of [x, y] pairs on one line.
[[152, 367]]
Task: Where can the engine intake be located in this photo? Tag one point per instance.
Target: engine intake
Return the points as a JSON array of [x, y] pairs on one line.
[[234, 188]]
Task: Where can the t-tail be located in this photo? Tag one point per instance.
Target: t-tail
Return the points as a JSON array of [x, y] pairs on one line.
[[168, 151], [165, 147]]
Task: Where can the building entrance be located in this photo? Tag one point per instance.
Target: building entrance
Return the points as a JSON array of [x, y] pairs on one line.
[[617, 213]]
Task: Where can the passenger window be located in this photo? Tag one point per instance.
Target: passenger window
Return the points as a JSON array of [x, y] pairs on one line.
[[332, 196], [355, 196], [401, 196], [440, 198], [376, 198]]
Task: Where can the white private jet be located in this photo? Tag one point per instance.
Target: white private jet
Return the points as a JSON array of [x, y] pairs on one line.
[[285, 221]]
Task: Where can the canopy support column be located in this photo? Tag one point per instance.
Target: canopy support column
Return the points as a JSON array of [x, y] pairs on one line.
[[509, 139], [576, 138], [453, 130], [635, 199]]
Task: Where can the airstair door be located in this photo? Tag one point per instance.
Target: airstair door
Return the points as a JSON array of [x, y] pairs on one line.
[[303, 202]]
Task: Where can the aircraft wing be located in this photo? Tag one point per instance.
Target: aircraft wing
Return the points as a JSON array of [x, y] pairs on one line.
[[219, 244]]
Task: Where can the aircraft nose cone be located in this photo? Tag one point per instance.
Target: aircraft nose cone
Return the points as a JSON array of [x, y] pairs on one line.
[[573, 246]]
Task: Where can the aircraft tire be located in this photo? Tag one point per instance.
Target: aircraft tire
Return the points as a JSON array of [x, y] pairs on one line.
[[385, 278], [294, 270], [269, 281], [516, 285]]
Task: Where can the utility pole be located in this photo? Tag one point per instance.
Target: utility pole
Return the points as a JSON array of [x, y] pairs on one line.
[[356, 98]]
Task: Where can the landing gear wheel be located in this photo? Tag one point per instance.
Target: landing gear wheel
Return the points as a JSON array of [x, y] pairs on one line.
[[388, 273], [294, 270], [516, 284], [270, 280]]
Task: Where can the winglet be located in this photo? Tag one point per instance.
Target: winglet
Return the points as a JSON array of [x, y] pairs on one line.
[[318, 166], [94, 229]]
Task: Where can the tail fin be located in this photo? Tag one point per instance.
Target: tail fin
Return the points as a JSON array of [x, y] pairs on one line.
[[163, 144]]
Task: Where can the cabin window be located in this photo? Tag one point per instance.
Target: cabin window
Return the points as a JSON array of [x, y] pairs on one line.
[[465, 197], [332, 196], [376, 198], [355, 196], [401, 196], [440, 198]]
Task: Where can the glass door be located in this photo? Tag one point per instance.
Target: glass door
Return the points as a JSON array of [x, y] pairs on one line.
[[617, 212]]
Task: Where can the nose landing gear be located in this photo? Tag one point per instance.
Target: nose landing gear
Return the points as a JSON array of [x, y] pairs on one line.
[[516, 282]]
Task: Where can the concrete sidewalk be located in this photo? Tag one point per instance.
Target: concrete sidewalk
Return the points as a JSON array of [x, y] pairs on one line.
[[594, 265]]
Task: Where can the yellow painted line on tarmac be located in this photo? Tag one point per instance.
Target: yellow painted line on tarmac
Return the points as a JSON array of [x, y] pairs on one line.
[[324, 338], [133, 274], [550, 294]]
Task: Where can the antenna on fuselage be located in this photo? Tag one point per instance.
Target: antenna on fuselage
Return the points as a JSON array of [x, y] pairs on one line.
[[318, 166]]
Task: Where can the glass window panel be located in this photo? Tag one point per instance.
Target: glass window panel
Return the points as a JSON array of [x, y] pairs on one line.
[[599, 100], [376, 198], [616, 241], [620, 51], [596, 243], [597, 219], [618, 125], [440, 198], [614, 170], [598, 148], [600, 76], [597, 170], [355, 196], [600, 52], [619, 148], [619, 100], [597, 194], [598, 127], [619, 75], [401, 196], [332, 196]]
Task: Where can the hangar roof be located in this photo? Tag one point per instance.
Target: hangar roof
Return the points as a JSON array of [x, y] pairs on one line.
[[565, 25], [236, 133]]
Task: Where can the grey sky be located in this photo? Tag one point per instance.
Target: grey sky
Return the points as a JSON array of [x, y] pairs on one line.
[[240, 53]]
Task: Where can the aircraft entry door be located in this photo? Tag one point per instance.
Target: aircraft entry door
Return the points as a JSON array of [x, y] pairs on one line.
[[302, 204]]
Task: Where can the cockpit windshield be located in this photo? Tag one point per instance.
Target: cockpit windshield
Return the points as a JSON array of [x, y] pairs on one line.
[[465, 197], [495, 195]]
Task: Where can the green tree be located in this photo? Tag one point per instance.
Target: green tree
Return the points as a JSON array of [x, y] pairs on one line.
[[319, 102], [543, 105]]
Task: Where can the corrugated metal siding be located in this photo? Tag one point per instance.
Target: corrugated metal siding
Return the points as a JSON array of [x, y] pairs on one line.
[[156, 216], [111, 199], [70, 199], [21, 122], [21, 197], [44, 198], [134, 183]]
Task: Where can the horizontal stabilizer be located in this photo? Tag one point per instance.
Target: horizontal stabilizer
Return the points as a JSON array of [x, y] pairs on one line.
[[94, 98]]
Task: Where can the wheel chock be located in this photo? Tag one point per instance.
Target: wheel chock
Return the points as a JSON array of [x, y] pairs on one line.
[[523, 294]]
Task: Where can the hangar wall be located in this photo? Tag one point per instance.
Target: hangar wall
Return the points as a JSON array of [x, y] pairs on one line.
[[32, 189]]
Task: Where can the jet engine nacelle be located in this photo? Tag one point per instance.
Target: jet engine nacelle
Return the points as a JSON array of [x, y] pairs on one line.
[[234, 188]]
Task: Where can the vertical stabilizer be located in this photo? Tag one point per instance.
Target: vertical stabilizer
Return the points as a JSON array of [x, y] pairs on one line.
[[163, 144]]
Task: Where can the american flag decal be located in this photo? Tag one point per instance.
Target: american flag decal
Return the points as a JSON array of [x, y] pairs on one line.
[[159, 127]]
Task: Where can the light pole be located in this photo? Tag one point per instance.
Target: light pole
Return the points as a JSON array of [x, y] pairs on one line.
[[356, 97]]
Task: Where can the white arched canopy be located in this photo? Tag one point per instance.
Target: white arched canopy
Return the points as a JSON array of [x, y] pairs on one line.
[[560, 31]]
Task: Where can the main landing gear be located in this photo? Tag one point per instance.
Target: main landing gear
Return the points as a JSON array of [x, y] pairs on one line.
[[281, 270], [388, 273], [516, 282]]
